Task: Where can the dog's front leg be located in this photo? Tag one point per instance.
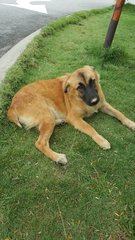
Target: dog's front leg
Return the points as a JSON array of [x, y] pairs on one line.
[[108, 109], [84, 127]]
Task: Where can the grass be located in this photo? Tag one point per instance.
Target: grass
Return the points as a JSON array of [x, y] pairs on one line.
[[94, 196]]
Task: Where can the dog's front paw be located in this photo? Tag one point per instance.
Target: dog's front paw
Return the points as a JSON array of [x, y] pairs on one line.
[[105, 145], [130, 124], [102, 142], [61, 159]]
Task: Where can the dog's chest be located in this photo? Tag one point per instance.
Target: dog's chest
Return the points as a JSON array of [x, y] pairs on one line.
[[59, 117], [90, 111]]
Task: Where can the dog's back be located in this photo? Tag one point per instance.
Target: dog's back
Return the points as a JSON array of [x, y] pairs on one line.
[[37, 101]]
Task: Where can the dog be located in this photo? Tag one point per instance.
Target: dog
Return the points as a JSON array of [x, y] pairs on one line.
[[70, 98]]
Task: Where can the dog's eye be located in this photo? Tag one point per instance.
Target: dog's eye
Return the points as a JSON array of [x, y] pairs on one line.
[[81, 86]]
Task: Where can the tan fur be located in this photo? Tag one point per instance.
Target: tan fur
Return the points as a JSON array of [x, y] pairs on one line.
[[45, 103]]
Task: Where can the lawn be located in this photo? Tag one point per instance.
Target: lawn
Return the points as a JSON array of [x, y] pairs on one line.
[[93, 197]]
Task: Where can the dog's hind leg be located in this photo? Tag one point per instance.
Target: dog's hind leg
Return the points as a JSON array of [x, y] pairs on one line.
[[12, 116], [108, 109], [46, 130]]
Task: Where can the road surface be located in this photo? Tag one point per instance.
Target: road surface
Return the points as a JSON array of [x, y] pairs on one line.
[[19, 18]]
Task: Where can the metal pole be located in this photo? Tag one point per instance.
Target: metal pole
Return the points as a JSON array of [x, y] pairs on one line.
[[113, 23]]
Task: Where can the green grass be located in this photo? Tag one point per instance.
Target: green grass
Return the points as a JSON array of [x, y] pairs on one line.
[[94, 196]]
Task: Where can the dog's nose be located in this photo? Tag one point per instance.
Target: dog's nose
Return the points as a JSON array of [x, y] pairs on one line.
[[94, 100]]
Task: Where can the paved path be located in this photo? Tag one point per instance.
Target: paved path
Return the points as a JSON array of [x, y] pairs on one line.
[[20, 18]]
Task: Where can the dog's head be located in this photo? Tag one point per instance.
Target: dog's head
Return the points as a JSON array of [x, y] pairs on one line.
[[84, 83]]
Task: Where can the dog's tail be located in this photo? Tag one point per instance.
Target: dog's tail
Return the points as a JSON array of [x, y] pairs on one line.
[[12, 116]]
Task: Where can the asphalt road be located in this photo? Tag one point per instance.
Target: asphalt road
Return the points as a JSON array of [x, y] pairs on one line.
[[17, 22]]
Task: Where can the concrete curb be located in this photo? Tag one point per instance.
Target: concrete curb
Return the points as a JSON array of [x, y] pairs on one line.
[[12, 55]]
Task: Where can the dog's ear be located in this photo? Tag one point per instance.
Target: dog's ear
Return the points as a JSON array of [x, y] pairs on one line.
[[67, 83], [66, 88]]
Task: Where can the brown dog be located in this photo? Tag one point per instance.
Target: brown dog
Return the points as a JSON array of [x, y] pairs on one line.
[[70, 98]]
